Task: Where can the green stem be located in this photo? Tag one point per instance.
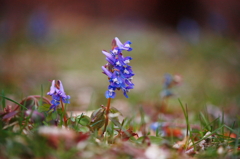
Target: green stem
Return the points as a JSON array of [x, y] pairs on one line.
[[107, 112], [64, 114]]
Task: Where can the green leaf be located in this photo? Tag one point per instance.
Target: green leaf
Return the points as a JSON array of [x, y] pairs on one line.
[[97, 124], [83, 129], [51, 116], [54, 115], [73, 119], [98, 119], [140, 139], [43, 108], [115, 120], [60, 112], [97, 114], [84, 120], [115, 110], [155, 140]]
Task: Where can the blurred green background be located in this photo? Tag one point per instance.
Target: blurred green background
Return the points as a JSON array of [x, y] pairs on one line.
[[42, 41]]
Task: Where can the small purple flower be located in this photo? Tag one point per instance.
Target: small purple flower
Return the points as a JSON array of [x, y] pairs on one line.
[[117, 69], [109, 57], [110, 93], [128, 73], [107, 72], [58, 94], [125, 46]]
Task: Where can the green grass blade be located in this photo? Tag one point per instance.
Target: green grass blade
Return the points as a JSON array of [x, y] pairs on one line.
[[215, 131], [41, 99], [206, 123], [182, 108], [14, 102], [209, 135], [185, 115], [222, 122], [3, 100]]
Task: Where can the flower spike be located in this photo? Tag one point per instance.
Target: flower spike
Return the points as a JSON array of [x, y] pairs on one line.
[[117, 69]]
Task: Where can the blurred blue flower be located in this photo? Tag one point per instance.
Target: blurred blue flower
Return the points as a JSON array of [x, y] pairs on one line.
[[168, 80], [169, 83], [156, 125], [117, 69], [58, 94], [166, 93]]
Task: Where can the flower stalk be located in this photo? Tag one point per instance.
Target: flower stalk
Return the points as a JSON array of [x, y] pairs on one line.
[[64, 114], [107, 112]]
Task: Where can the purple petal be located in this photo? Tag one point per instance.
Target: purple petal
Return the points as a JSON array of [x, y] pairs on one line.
[[129, 87], [127, 59], [125, 93], [125, 46], [108, 73], [118, 42], [55, 102], [115, 51], [66, 100], [53, 107], [56, 97], [61, 86], [129, 82], [52, 88], [109, 94], [108, 55], [10, 115]]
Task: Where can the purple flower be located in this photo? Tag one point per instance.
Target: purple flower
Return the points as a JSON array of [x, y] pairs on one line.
[[58, 94], [125, 46], [117, 69], [107, 72], [110, 93], [109, 57]]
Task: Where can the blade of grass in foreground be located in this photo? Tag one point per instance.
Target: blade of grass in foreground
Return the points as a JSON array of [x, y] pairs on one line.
[[222, 122], [205, 122], [3, 100], [41, 98], [14, 102], [215, 131], [185, 111]]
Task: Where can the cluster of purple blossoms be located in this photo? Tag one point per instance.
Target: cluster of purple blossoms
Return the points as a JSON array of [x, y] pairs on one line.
[[117, 69], [58, 94]]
